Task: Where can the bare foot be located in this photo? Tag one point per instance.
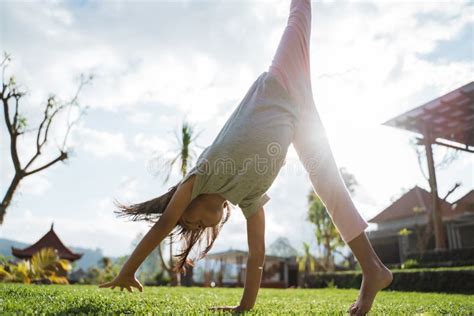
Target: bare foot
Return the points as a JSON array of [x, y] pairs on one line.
[[371, 284]]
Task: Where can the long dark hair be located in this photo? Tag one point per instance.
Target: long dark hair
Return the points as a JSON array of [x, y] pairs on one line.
[[151, 210]]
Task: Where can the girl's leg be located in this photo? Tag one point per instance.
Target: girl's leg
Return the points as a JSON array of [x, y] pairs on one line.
[[315, 153], [313, 149], [290, 65], [376, 276]]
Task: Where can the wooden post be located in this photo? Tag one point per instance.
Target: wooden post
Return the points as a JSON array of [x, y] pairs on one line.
[[440, 237], [207, 273], [221, 272], [239, 267]]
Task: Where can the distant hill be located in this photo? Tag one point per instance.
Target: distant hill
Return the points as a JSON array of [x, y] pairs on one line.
[[90, 258], [6, 244]]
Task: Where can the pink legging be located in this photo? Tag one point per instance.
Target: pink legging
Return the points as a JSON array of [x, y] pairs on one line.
[[291, 67]]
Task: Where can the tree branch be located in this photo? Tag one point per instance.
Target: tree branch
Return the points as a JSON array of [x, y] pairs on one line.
[[44, 126], [74, 102], [62, 156], [69, 126], [456, 185], [15, 116], [163, 263], [12, 132], [6, 113], [4, 64]]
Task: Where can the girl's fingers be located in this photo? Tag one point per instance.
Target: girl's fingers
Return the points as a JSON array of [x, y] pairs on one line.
[[350, 307], [113, 285], [139, 286], [221, 308], [354, 310]]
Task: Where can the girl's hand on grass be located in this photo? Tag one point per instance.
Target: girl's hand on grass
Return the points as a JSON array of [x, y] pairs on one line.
[[124, 281], [227, 308]]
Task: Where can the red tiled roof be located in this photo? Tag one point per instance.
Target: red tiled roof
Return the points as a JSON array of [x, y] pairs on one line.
[[405, 205], [465, 203], [50, 239]]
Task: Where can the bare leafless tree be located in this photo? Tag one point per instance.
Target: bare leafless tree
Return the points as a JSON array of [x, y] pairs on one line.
[[449, 156], [425, 232], [16, 123]]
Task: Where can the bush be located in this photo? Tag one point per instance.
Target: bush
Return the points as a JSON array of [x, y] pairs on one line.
[[448, 280], [446, 258], [45, 267], [162, 279], [409, 264]]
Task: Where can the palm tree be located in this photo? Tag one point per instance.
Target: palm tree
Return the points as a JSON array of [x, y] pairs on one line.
[[105, 262], [183, 158], [306, 263], [185, 153], [45, 266], [326, 233]]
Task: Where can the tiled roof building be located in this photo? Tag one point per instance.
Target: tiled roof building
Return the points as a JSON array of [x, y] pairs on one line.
[[50, 239]]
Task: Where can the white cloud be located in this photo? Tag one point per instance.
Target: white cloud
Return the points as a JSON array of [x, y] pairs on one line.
[[35, 185], [139, 118], [127, 188], [155, 150], [102, 144]]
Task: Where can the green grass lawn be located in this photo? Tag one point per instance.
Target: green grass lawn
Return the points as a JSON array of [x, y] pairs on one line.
[[71, 299]]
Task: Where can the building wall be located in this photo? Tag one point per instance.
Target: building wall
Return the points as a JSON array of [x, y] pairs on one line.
[[385, 240], [461, 232], [388, 249], [467, 236], [402, 223]]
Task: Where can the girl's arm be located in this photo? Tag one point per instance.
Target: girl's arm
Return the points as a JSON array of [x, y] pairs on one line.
[[174, 210], [255, 261], [171, 215]]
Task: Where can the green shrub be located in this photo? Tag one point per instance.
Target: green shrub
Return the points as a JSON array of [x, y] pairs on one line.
[[444, 258], [331, 285], [162, 279], [409, 264], [448, 280], [45, 267]]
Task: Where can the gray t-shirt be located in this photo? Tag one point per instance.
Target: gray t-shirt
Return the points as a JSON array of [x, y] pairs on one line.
[[249, 151]]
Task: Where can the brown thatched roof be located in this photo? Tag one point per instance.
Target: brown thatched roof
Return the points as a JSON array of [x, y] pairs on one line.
[[50, 239]]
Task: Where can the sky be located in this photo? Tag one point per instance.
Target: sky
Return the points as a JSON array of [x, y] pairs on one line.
[[157, 63]]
